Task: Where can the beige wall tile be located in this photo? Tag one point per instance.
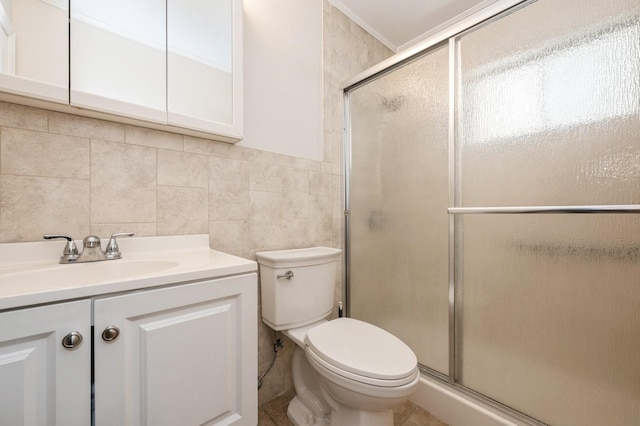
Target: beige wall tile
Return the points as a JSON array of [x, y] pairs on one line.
[[265, 341], [320, 223], [273, 384], [104, 230], [228, 189], [337, 196], [334, 116], [319, 183], [307, 164], [229, 206], [264, 237], [278, 236], [266, 177], [238, 152], [33, 206], [295, 195], [183, 169], [337, 236], [75, 125], [123, 183], [295, 181], [273, 158], [182, 211], [228, 175], [135, 135], [230, 236], [266, 207], [206, 146], [25, 152], [23, 117], [335, 139]]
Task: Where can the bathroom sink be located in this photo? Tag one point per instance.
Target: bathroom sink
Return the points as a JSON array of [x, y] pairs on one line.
[[83, 274], [30, 273]]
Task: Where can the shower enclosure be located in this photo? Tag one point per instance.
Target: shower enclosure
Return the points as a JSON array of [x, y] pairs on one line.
[[493, 209]]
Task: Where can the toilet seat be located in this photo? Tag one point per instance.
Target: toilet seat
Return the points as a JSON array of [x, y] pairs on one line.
[[361, 352]]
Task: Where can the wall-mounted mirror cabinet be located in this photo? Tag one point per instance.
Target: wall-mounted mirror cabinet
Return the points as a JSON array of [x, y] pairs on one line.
[[173, 64], [203, 70], [118, 57], [34, 49]]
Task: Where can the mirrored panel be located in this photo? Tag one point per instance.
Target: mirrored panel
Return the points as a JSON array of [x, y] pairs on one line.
[[118, 57], [34, 48], [200, 60]]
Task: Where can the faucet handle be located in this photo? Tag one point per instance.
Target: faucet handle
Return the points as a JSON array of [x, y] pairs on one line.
[[113, 251], [70, 252]]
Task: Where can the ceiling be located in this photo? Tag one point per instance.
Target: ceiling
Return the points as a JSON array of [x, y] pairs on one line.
[[401, 23]]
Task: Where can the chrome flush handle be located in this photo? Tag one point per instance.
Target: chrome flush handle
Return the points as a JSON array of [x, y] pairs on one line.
[[288, 275]]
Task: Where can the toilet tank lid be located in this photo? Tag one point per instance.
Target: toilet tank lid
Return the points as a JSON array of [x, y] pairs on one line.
[[297, 257], [362, 348]]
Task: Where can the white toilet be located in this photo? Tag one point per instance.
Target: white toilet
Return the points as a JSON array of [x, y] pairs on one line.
[[345, 372]]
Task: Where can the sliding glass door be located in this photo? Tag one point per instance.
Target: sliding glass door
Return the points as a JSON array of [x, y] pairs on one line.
[[399, 196], [505, 165], [550, 303]]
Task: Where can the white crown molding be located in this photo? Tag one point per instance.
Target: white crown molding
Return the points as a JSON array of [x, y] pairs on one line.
[[344, 9]]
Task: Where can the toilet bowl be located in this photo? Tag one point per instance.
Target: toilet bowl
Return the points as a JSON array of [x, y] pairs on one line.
[[365, 372], [346, 372]]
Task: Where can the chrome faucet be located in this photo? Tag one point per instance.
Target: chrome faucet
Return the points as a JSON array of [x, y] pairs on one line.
[[91, 250]]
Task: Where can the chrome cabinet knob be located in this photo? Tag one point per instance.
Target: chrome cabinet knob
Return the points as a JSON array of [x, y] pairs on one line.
[[110, 333], [72, 340]]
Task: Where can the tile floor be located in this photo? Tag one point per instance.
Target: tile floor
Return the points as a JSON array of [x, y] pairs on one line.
[[274, 413]]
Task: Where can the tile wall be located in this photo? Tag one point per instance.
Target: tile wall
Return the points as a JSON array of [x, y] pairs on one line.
[[62, 173]]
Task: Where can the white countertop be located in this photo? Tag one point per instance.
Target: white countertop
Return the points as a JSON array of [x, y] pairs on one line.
[[30, 273]]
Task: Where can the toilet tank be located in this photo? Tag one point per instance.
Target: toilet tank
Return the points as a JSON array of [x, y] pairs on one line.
[[306, 295]]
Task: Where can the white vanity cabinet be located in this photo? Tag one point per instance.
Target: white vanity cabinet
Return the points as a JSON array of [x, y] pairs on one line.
[[34, 49], [169, 335], [183, 355], [41, 381], [176, 355]]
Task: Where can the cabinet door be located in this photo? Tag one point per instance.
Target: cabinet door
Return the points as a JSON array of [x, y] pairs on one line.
[[204, 65], [185, 355], [34, 49], [118, 57], [41, 382]]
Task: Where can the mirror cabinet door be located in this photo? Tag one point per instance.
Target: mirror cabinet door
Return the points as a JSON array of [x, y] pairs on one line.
[[118, 57], [203, 40], [34, 49]]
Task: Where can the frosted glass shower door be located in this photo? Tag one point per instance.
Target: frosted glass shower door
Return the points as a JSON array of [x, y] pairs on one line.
[[398, 224], [549, 304]]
